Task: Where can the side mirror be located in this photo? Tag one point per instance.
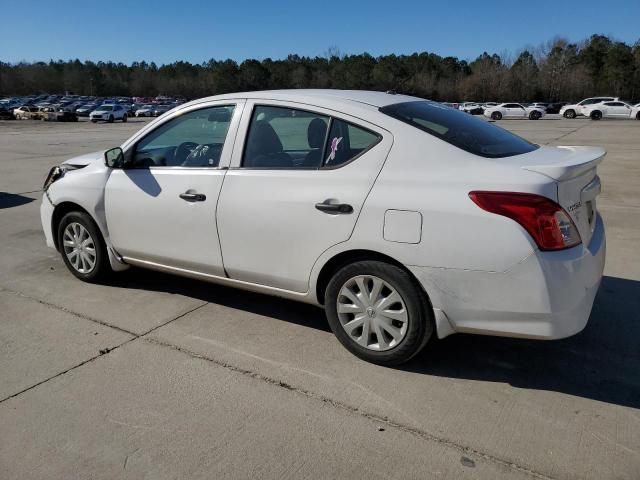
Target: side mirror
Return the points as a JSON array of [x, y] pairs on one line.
[[114, 158]]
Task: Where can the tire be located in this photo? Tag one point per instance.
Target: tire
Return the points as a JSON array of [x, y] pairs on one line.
[[596, 115], [67, 230], [94, 121], [534, 115], [496, 116], [124, 118], [638, 116], [570, 113], [110, 119], [411, 333]]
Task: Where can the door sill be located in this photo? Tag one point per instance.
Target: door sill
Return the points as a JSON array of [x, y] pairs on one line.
[[207, 277]]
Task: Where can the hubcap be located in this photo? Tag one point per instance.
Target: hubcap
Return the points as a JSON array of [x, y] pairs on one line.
[[372, 313], [79, 247]]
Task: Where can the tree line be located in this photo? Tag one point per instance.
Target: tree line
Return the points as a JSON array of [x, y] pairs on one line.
[[557, 70]]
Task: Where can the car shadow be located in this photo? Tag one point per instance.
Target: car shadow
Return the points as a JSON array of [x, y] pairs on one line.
[[600, 363], [279, 308], [9, 200]]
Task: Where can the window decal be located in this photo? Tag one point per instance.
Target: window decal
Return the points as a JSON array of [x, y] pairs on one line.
[[334, 148]]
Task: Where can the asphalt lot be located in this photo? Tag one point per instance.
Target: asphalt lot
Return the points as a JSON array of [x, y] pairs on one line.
[[153, 376]]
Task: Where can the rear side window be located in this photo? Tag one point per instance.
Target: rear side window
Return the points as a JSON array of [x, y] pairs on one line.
[[281, 137], [346, 142], [460, 129]]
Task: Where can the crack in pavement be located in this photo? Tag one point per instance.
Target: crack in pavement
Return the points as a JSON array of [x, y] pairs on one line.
[[354, 410], [464, 449], [134, 336], [566, 134]]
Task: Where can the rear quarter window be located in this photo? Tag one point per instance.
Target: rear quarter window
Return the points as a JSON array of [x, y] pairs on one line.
[[460, 129]]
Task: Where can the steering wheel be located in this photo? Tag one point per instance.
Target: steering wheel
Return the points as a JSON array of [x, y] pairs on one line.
[[183, 150]]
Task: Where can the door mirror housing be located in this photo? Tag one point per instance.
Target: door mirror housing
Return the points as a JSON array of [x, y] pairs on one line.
[[114, 158]]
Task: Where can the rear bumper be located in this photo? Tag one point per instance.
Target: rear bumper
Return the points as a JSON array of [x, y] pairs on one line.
[[549, 295]]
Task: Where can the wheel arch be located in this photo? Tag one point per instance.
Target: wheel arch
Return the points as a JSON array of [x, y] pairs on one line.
[[59, 212], [347, 257]]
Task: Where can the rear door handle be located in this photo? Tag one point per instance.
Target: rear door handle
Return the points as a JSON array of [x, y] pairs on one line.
[[193, 197], [334, 207]]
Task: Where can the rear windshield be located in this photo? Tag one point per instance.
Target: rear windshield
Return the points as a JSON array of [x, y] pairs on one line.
[[460, 129]]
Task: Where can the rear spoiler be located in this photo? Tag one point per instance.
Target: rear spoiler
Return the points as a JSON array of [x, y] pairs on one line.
[[568, 162]]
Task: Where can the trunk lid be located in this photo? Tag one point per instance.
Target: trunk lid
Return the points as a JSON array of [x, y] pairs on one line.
[[574, 169]]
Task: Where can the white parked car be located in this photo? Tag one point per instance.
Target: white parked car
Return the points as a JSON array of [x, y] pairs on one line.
[[573, 110], [514, 110], [108, 113], [471, 107], [614, 109], [402, 217], [145, 111]]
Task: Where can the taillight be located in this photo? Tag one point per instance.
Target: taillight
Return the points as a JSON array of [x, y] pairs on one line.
[[547, 222]]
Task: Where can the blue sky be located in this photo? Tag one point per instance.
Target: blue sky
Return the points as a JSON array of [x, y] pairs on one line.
[[164, 31]]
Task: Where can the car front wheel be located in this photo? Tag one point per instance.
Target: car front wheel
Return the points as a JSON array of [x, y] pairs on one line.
[[570, 114], [534, 115], [496, 116], [82, 248], [378, 312], [124, 118]]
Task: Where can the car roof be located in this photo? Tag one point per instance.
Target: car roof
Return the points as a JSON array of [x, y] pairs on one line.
[[320, 96]]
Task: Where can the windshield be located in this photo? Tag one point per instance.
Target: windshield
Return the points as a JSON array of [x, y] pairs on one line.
[[106, 108], [460, 129]]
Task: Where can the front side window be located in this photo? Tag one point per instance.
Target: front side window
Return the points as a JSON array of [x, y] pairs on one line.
[[459, 129], [193, 139]]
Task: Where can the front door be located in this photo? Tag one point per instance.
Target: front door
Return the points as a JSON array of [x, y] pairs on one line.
[[294, 190], [161, 208]]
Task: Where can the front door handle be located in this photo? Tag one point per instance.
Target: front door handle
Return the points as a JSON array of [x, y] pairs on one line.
[[334, 207], [193, 197]]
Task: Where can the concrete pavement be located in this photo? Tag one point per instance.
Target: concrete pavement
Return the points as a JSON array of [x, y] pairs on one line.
[[163, 377]]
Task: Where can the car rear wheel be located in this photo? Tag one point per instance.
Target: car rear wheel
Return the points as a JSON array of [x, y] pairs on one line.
[[638, 116], [570, 114], [82, 247], [378, 312], [596, 115], [496, 116], [124, 118]]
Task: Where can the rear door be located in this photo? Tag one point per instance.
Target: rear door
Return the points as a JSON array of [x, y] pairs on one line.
[[298, 180]]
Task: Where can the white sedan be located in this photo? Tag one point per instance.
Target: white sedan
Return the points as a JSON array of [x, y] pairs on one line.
[[109, 113], [514, 110], [613, 109], [403, 218], [145, 111]]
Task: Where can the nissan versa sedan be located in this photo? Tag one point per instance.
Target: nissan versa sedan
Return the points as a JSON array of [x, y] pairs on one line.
[[403, 218]]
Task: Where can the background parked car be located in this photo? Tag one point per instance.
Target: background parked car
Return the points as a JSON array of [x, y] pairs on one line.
[[514, 110], [160, 109], [26, 112], [85, 110], [573, 110], [109, 113], [145, 111], [6, 114], [616, 109], [472, 108], [555, 107]]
